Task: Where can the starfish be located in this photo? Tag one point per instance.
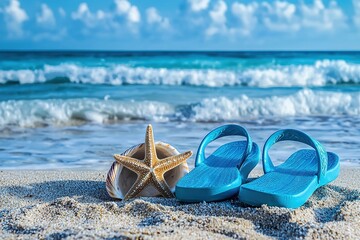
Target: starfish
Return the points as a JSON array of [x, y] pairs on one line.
[[151, 170]]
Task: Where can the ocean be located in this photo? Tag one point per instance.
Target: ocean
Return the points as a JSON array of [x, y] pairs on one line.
[[76, 109]]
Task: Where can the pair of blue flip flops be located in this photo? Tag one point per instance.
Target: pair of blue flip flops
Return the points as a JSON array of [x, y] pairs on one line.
[[223, 174]]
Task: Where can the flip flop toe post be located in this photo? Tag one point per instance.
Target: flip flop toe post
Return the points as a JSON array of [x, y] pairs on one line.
[[219, 176]]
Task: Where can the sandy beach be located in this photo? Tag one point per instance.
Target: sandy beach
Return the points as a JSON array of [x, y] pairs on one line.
[[82, 81], [74, 204]]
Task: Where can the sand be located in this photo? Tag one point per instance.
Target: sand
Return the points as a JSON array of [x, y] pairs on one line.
[[74, 204]]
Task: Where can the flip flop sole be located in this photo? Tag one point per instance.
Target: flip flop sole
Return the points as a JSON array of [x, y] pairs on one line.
[[218, 177], [292, 183]]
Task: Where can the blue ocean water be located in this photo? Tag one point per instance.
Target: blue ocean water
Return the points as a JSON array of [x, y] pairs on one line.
[[76, 109]]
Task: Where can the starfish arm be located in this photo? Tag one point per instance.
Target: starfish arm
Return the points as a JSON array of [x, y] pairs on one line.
[[161, 185], [150, 148], [138, 186], [131, 163], [169, 163]]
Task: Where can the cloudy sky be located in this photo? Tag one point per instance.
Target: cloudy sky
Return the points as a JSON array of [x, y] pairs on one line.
[[180, 24]]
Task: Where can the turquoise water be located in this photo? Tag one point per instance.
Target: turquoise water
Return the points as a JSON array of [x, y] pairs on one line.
[[76, 109]]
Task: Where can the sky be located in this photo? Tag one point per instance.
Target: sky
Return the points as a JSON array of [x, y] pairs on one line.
[[180, 25]]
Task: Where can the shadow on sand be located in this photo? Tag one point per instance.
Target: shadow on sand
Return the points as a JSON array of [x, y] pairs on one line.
[[84, 191]]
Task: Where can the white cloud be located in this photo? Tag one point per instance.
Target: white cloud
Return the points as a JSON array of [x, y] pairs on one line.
[[130, 12], [14, 17], [246, 14], [46, 17], [218, 19], [90, 19], [198, 5], [217, 14], [210, 18], [276, 16], [284, 16], [319, 17], [356, 4], [84, 15], [122, 6], [123, 16], [281, 16], [134, 15], [62, 12], [154, 18]]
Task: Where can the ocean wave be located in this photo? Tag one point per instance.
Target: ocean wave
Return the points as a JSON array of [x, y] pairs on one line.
[[304, 103], [30, 113], [321, 73]]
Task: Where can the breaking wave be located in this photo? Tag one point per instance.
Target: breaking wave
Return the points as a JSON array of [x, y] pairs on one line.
[[30, 113], [303, 103], [321, 73]]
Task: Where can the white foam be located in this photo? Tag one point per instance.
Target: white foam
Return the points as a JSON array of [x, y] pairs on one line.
[[303, 103], [31, 113], [319, 74]]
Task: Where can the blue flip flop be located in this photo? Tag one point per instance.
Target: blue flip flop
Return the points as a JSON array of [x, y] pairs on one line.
[[220, 175], [291, 183]]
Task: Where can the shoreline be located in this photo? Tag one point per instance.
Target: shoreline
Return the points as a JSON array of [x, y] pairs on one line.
[[57, 204]]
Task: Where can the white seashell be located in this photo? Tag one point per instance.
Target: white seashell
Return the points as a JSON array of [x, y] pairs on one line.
[[120, 179]]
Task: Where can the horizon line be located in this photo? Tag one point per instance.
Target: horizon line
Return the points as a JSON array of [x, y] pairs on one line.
[[155, 50]]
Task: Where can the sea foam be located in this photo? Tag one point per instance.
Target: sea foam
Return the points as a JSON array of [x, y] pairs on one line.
[[29, 113], [304, 103], [321, 73]]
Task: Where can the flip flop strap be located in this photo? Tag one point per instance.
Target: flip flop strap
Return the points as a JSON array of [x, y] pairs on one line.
[[295, 135], [222, 131]]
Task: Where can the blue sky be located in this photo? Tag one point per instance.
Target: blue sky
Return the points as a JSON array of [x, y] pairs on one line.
[[180, 25]]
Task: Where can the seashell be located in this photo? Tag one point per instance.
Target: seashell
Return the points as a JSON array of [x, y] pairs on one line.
[[121, 179]]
